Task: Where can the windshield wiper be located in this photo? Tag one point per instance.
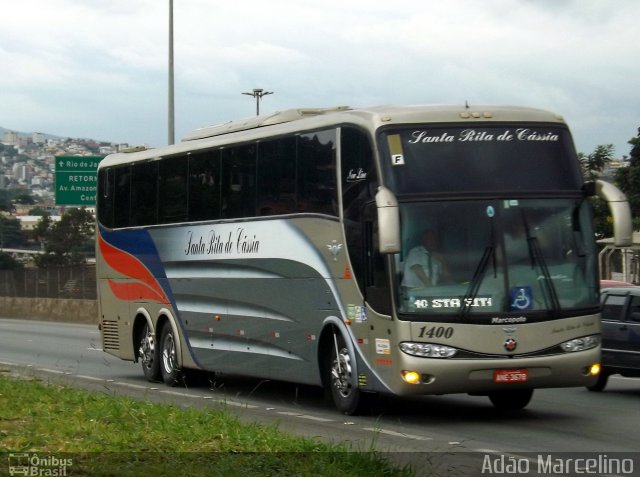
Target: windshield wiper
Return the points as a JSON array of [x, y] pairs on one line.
[[478, 276], [537, 257]]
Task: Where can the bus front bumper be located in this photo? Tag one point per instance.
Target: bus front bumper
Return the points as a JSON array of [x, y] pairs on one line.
[[445, 376]]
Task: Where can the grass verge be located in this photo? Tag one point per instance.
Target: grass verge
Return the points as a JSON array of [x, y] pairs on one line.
[[105, 435]]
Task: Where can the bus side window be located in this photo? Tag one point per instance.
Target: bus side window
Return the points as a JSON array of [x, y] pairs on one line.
[[277, 177], [144, 193], [359, 184], [122, 197], [316, 163], [239, 182], [173, 190], [204, 186], [105, 197]]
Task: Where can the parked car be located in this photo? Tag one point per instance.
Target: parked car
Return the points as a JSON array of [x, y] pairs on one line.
[[620, 334]]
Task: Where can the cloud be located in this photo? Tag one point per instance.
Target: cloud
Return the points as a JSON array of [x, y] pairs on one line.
[[100, 66]]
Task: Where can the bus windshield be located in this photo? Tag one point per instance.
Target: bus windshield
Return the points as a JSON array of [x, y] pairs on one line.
[[483, 257], [480, 158]]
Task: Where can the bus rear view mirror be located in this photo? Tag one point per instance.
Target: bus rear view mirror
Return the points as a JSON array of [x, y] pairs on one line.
[[620, 211], [388, 221]]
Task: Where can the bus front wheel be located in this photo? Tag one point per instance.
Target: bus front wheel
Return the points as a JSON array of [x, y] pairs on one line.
[[511, 400], [169, 367], [341, 377], [149, 354]]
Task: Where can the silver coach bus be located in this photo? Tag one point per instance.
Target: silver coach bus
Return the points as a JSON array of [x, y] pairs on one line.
[[400, 250]]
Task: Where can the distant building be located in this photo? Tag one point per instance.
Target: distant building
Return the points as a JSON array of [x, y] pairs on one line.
[[38, 138], [10, 138], [28, 222], [21, 173]]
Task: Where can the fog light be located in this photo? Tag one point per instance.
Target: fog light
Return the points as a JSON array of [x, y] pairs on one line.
[[411, 377], [595, 369]]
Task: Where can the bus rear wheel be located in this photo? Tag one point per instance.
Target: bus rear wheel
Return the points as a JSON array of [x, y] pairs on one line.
[[511, 400], [149, 354], [169, 367], [341, 378]]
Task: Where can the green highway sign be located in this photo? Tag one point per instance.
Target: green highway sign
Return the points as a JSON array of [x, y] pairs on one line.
[[76, 180]]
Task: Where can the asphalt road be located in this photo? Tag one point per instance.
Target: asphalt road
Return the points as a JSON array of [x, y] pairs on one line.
[[434, 430]]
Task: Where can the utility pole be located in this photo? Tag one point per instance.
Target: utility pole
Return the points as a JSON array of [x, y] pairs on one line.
[[171, 99], [258, 93]]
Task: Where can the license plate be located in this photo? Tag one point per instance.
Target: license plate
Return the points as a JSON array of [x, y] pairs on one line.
[[510, 376]]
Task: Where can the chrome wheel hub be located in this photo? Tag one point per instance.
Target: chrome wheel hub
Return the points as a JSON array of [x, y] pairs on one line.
[[341, 373]]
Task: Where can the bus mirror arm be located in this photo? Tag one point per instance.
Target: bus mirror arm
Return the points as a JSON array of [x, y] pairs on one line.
[[388, 221], [619, 208]]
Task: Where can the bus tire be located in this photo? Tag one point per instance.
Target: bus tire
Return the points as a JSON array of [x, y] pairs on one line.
[[149, 354], [511, 400], [169, 368], [601, 383], [341, 378]]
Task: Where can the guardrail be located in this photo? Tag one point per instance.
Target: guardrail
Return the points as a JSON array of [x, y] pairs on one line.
[[66, 282]]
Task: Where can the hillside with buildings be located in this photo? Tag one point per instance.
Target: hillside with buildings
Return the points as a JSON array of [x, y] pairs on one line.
[[27, 162]]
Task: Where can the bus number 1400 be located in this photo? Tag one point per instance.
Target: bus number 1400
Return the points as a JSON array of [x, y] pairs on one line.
[[436, 332]]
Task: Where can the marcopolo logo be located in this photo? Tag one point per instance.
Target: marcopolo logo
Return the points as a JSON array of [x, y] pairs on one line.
[[33, 464]]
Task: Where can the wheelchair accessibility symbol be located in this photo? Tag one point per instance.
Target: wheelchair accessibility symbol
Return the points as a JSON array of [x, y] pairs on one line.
[[521, 298]]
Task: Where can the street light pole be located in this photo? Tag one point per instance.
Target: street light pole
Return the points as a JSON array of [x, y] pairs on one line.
[[258, 93], [171, 88]]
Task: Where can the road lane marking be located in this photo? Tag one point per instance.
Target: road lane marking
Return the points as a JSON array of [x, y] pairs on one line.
[[397, 434], [129, 385], [305, 416], [90, 378]]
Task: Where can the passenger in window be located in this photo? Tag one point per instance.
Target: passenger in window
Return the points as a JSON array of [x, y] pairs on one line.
[[425, 266]]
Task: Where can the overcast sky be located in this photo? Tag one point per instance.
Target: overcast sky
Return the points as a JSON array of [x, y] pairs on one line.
[[98, 68]]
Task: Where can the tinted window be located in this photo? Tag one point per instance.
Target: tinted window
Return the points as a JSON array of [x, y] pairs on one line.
[[277, 176], [613, 307], [280, 176], [204, 186], [144, 194], [105, 196], [173, 190], [358, 176], [634, 309], [239, 182], [480, 158], [317, 173], [122, 197]]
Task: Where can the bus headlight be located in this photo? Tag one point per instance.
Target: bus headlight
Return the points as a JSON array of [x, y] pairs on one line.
[[427, 350], [580, 344]]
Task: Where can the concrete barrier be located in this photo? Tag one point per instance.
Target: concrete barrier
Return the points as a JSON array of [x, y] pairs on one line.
[[50, 309]]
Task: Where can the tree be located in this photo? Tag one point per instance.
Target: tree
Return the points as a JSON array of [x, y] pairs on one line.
[[7, 262], [10, 232], [68, 241], [25, 199], [5, 200], [41, 229], [593, 164], [628, 180]]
